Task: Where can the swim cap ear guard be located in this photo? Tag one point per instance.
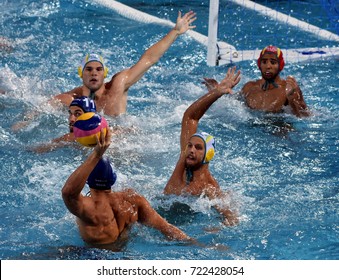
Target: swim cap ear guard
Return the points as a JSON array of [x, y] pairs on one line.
[[275, 50], [102, 177], [85, 103], [92, 57], [209, 146]]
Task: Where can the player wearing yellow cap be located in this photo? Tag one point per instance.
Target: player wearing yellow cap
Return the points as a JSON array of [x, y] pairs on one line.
[[191, 175]]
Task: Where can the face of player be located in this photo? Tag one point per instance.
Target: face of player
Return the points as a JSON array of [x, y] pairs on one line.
[[269, 66], [195, 152], [74, 113], [93, 75]]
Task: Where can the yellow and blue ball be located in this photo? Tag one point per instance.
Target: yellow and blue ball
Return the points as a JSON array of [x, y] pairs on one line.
[[87, 127]]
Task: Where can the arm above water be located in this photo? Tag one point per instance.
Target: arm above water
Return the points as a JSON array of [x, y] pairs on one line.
[[60, 142], [295, 98], [71, 192], [194, 112], [156, 51]]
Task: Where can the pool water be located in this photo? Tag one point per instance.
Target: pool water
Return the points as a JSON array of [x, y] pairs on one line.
[[282, 170]]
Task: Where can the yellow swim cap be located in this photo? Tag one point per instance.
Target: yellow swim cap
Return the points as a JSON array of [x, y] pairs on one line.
[[92, 57]]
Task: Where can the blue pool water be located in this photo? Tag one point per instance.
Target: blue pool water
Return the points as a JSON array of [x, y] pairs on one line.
[[284, 182]]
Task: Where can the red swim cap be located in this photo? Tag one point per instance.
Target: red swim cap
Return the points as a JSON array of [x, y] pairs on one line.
[[275, 50]]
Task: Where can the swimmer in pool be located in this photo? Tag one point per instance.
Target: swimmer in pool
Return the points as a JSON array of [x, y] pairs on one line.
[[272, 93], [77, 107], [105, 215], [191, 175], [111, 97]]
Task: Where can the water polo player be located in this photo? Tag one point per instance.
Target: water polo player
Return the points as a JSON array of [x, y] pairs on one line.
[[105, 215], [271, 93], [191, 174], [111, 97], [77, 107]]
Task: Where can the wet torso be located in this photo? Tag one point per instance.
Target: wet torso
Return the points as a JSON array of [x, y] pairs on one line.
[[273, 99]]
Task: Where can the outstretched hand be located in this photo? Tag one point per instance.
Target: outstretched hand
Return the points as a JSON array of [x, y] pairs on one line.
[[184, 23], [231, 80]]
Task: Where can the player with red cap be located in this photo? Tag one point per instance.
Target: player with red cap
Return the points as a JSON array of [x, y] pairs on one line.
[[271, 93]]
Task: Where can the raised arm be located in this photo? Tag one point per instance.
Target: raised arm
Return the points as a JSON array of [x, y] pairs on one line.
[[71, 192], [156, 51], [194, 112]]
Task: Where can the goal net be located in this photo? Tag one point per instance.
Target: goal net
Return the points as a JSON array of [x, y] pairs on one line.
[[304, 30]]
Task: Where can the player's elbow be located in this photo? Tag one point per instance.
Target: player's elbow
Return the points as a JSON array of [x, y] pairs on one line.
[[66, 191]]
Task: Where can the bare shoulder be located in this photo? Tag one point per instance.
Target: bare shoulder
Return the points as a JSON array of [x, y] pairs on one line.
[[67, 97], [250, 85], [117, 83], [125, 195]]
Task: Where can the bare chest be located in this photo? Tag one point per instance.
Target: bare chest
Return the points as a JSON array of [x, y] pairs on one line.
[[269, 100]]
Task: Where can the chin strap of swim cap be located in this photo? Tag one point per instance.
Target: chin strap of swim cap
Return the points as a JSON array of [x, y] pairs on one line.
[[268, 83], [92, 95], [189, 176], [209, 146]]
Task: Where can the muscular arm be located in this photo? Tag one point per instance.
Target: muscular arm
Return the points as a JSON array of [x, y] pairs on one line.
[[148, 216], [71, 192], [66, 98], [156, 51], [194, 112]]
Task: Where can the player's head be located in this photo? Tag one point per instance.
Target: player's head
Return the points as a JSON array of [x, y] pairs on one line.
[[200, 149], [272, 50], [78, 107], [102, 177], [89, 58]]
